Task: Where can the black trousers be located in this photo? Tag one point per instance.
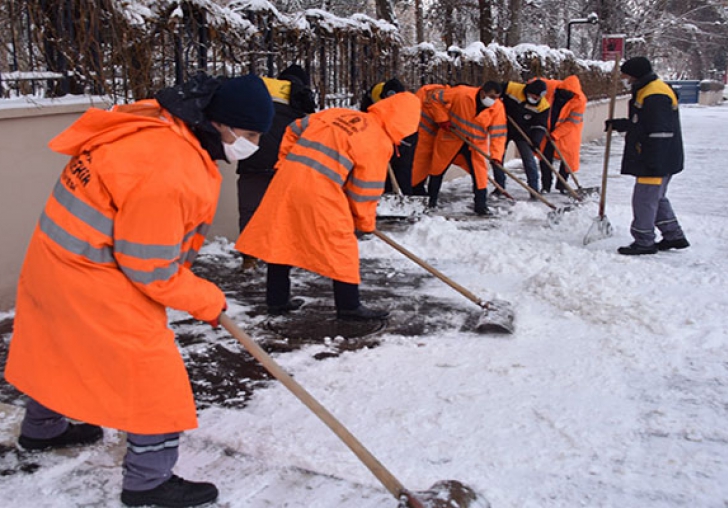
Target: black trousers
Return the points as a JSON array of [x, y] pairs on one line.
[[547, 176], [251, 188], [401, 163], [435, 183], [278, 289]]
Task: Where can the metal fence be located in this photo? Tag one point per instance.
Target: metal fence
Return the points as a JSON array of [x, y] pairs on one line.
[[58, 47]]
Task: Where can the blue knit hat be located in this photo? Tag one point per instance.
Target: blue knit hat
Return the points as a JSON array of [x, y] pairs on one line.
[[242, 103]]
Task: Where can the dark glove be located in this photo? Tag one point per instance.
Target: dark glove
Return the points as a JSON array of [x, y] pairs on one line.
[[362, 235], [497, 163], [445, 125], [215, 323], [617, 124]]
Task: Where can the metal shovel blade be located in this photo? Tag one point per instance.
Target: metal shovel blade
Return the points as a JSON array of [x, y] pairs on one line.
[[554, 216], [444, 494], [588, 192], [400, 206], [599, 230], [497, 317]]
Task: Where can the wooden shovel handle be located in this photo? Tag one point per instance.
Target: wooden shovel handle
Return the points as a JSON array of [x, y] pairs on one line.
[[457, 287], [562, 158], [533, 192], [382, 474], [543, 158], [608, 144], [393, 178]]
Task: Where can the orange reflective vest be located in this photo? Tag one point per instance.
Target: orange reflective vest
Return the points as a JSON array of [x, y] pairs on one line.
[[111, 251], [487, 130], [329, 177], [426, 134], [568, 126]]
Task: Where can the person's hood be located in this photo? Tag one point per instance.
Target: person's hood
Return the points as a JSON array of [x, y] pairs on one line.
[[98, 127], [398, 115], [572, 84]]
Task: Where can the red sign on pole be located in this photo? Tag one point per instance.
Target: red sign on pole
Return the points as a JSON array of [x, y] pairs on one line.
[[612, 46]]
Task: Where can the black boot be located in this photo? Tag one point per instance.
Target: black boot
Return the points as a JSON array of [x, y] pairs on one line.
[[77, 434], [175, 492], [481, 200], [290, 305], [637, 250], [361, 313], [434, 183], [679, 243]]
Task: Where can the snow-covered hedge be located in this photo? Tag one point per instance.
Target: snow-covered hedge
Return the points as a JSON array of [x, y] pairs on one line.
[[128, 49]]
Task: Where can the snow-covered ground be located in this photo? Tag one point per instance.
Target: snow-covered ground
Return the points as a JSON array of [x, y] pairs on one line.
[[613, 391]]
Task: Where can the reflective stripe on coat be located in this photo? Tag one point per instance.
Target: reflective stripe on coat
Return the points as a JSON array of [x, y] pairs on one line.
[[487, 130], [329, 177], [111, 251], [569, 125], [426, 134]]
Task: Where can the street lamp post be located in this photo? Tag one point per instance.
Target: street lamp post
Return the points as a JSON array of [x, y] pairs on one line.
[[591, 19]]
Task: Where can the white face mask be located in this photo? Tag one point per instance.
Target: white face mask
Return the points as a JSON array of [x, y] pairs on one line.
[[487, 101], [627, 82], [239, 149], [532, 100]]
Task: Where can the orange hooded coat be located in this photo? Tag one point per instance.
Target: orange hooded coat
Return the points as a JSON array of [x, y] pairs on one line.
[[111, 251], [487, 130], [329, 177], [569, 125], [426, 134]]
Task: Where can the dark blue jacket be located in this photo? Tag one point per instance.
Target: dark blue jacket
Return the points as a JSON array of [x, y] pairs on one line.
[[653, 144], [532, 119]]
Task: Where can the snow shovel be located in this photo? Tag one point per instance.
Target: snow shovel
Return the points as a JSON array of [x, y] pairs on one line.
[[554, 216], [448, 492], [398, 205], [536, 149], [584, 192], [601, 227], [498, 315], [490, 178]]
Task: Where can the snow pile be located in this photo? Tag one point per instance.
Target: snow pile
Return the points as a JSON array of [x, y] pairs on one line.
[[611, 392]]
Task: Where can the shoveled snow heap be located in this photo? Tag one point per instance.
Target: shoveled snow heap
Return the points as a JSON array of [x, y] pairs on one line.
[[611, 392]]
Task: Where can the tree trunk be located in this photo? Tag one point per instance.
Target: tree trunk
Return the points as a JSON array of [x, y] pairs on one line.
[[385, 11], [449, 28], [485, 22], [419, 22], [513, 36]]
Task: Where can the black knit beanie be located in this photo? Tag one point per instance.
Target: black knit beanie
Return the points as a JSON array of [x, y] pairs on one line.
[[536, 87], [295, 71], [242, 103], [636, 67], [391, 87]]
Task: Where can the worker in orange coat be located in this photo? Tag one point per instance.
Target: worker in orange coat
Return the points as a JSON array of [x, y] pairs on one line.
[[426, 135], [478, 115], [566, 123], [111, 251], [329, 177]]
